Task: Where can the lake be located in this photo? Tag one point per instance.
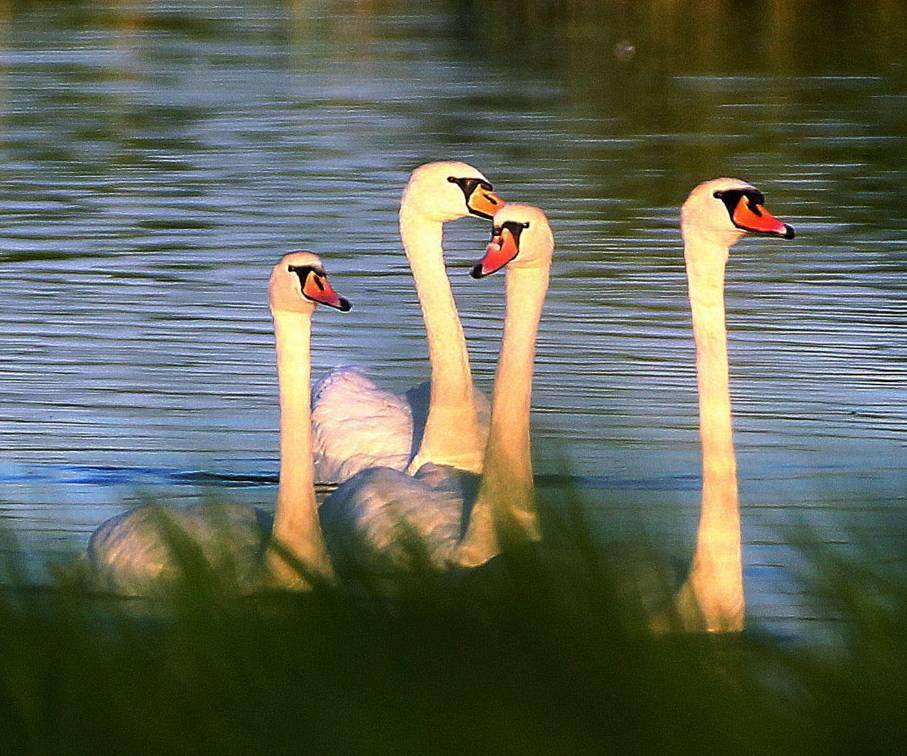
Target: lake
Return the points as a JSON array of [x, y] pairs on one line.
[[157, 159]]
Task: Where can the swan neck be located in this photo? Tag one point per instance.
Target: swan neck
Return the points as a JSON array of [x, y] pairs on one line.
[[506, 494], [451, 434], [716, 577], [296, 525]]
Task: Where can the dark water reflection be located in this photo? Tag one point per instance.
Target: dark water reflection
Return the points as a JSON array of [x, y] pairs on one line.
[[157, 159]]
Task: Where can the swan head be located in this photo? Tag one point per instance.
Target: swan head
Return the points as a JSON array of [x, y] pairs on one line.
[[445, 191], [725, 209], [298, 283], [520, 238]]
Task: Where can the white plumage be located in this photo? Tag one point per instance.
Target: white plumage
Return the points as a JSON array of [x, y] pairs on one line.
[[138, 551], [357, 424], [133, 552], [377, 426], [449, 511], [382, 508], [381, 428], [715, 216]]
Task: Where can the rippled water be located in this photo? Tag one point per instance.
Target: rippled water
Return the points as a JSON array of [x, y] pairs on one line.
[[156, 160]]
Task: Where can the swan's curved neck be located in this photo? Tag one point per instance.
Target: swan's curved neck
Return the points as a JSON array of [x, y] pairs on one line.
[[451, 435], [506, 499], [296, 525], [713, 591]]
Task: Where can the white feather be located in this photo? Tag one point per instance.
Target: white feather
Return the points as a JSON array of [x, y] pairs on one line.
[[381, 507], [140, 551], [133, 554], [356, 425], [448, 510]]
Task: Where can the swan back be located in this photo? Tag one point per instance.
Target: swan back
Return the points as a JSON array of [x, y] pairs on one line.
[[356, 425], [390, 513], [137, 552]]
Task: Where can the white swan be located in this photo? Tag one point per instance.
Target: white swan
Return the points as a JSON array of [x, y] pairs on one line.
[[358, 425], [714, 217], [382, 506], [132, 551]]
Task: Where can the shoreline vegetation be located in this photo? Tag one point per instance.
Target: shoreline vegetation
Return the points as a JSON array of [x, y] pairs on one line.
[[545, 650]]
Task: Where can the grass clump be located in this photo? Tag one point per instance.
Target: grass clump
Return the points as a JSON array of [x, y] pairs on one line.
[[544, 651]]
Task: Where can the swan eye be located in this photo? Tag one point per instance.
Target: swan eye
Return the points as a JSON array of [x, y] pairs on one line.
[[515, 228], [466, 184], [469, 185], [731, 199], [306, 272]]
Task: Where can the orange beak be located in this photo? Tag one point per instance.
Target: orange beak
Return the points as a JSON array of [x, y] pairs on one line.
[[500, 251], [318, 289], [484, 202], [750, 216]]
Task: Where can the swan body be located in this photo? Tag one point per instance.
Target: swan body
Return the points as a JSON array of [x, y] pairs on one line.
[[384, 508], [134, 552], [457, 514], [377, 426], [357, 424], [383, 429], [715, 216]]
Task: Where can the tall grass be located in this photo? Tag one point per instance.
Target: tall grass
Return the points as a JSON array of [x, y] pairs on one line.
[[546, 650]]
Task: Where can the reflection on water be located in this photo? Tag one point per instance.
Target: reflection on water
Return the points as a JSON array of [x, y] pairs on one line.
[[157, 160]]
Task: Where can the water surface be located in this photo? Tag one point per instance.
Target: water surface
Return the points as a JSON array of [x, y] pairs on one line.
[[156, 160]]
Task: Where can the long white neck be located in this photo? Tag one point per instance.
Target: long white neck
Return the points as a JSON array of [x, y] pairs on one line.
[[452, 435], [506, 500], [296, 526], [712, 597]]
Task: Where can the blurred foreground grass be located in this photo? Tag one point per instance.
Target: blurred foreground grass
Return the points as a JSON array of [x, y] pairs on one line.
[[546, 650]]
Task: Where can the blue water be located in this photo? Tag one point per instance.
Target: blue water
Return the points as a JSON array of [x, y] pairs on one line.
[[156, 160]]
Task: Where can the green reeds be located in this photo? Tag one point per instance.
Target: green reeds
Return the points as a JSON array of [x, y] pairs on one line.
[[546, 650]]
